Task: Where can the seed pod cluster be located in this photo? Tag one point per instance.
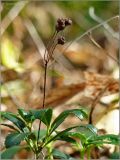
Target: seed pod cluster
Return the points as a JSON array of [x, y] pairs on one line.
[[61, 40], [62, 23], [57, 38]]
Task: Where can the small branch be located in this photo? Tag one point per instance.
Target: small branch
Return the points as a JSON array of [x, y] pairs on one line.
[[97, 45], [106, 26], [44, 94], [95, 101], [44, 85], [109, 109], [51, 52], [51, 41], [50, 47], [48, 53]]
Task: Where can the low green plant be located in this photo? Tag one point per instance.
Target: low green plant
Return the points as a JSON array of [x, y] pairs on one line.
[[83, 137], [22, 129]]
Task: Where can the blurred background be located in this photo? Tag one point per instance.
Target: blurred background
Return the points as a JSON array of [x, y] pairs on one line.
[[26, 28]]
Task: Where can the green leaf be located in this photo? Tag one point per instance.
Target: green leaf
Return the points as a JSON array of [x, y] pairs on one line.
[[67, 139], [59, 134], [89, 131], [58, 154], [105, 139], [80, 113], [75, 135], [10, 126], [44, 115], [48, 116], [14, 139], [27, 116], [10, 152], [14, 119]]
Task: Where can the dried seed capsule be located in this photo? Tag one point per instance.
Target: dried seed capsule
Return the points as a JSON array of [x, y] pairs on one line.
[[61, 40], [61, 21], [60, 24], [68, 22], [60, 27]]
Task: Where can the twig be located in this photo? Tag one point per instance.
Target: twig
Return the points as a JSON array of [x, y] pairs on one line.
[[97, 45], [109, 109], [44, 94], [95, 101], [46, 61], [49, 47], [106, 26], [51, 51]]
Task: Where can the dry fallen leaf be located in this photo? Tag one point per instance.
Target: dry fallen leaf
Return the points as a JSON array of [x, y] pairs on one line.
[[96, 82], [91, 87], [62, 94]]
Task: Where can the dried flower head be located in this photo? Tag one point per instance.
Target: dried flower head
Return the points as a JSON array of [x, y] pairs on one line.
[[68, 22], [62, 23], [60, 27], [61, 40]]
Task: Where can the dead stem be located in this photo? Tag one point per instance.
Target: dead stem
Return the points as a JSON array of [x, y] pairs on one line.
[[44, 93], [46, 61], [95, 101], [49, 46], [98, 46]]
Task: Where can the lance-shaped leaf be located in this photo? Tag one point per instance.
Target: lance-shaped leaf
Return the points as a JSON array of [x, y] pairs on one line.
[[14, 119], [80, 113], [10, 126], [14, 139], [89, 131], [44, 115], [105, 139], [72, 135], [59, 134], [27, 116]]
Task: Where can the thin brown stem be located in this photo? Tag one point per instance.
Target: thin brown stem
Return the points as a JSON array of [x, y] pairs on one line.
[[51, 52], [97, 45], [50, 44], [44, 94], [95, 101], [45, 84], [50, 48], [52, 40]]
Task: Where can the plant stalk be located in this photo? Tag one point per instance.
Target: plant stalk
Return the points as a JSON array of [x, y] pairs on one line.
[[44, 94]]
